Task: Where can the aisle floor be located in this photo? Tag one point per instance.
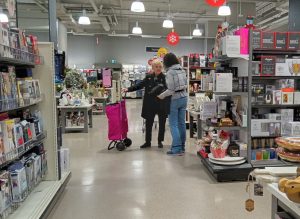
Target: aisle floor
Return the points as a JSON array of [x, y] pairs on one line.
[[145, 183]]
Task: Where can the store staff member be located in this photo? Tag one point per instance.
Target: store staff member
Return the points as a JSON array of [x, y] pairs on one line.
[[151, 104]]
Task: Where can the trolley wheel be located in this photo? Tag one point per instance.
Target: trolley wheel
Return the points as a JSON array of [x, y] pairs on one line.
[[127, 142], [120, 146]]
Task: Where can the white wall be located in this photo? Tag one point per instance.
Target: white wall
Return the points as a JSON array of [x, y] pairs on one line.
[[83, 51]]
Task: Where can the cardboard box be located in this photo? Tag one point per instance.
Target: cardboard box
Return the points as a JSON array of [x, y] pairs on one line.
[[273, 116], [222, 82], [293, 67], [244, 42], [293, 40], [268, 65], [256, 39], [282, 68], [285, 85], [265, 128], [293, 129], [276, 95], [268, 40], [209, 110], [281, 40], [297, 97], [231, 45], [287, 97], [287, 115]]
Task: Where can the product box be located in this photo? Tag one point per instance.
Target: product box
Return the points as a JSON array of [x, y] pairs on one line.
[[293, 67], [222, 82], [281, 40], [285, 85], [265, 128], [273, 116], [287, 97], [276, 95], [297, 97], [268, 40], [293, 40], [231, 45], [287, 115], [293, 129], [256, 39], [268, 65], [244, 42], [243, 148], [282, 68], [209, 110]]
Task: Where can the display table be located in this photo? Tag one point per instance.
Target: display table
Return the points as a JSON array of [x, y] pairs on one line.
[[195, 116], [88, 117], [98, 101], [281, 203]]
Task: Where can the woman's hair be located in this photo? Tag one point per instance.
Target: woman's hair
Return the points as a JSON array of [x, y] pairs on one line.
[[156, 62], [170, 59]]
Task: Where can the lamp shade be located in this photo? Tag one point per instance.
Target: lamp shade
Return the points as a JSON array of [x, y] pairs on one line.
[[137, 6], [224, 10], [84, 20], [3, 18], [137, 29], [168, 23], [197, 31]]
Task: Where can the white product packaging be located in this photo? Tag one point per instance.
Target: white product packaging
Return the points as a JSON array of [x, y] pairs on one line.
[[276, 97], [293, 129], [297, 97], [293, 66], [287, 115], [223, 82], [273, 116], [231, 45], [260, 127], [287, 97]]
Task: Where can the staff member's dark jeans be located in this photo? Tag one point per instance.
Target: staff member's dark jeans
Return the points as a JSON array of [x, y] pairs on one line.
[[161, 131]]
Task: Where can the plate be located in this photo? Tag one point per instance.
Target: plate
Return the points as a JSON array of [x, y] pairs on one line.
[[226, 159], [227, 163]]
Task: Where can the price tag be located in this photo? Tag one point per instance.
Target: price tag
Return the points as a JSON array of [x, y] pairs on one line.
[[258, 190]]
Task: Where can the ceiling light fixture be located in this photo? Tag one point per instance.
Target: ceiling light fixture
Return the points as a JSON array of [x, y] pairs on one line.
[[137, 6], [197, 31], [3, 17], [83, 19], [224, 10], [137, 29], [168, 23]]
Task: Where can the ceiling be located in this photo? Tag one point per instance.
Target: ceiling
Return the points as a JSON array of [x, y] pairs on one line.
[[113, 17]]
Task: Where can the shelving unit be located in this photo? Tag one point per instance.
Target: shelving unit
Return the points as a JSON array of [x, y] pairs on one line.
[[38, 201]]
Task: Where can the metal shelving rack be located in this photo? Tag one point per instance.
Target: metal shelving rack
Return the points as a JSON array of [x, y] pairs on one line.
[[251, 78]]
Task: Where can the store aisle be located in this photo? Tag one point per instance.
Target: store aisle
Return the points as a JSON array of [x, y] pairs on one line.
[[144, 183]]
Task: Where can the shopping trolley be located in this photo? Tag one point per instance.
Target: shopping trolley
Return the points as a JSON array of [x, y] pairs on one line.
[[118, 125]]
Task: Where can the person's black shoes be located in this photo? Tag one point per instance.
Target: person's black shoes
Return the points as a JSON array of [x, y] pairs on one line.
[[160, 144], [146, 145]]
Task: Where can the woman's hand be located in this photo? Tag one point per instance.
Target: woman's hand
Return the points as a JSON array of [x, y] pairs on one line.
[[159, 97], [124, 90]]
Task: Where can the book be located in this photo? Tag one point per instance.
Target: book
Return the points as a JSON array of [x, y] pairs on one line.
[[9, 146], [18, 135]]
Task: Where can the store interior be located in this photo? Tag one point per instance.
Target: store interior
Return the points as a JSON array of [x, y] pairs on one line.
[[82, 84]]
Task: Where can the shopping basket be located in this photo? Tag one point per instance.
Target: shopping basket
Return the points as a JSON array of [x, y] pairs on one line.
[[117, 125]]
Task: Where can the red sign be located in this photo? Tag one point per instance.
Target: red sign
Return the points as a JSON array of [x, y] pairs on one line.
[[173, 38], [215, 3]]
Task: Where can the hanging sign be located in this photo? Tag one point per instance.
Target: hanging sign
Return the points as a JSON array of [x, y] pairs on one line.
[[152, 49], [173, 38], [215, 3], [162, 52]]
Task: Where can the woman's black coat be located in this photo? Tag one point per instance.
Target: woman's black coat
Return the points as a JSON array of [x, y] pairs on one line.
[[151, 104]]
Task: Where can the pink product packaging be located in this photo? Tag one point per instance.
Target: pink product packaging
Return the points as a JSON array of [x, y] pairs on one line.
[[244, 34]]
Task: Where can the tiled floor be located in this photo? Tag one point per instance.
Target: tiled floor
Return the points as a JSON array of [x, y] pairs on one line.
[[145, 183]]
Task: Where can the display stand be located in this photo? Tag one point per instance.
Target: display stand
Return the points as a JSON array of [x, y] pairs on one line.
[[100, 105], [280, 203], [88, 117], [39, 200]]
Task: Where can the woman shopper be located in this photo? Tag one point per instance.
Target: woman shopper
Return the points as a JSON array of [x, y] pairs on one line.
[[151, 105], [177, 85]]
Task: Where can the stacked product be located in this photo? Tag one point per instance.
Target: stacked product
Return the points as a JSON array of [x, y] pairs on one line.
[[131, 75], [15, 44]]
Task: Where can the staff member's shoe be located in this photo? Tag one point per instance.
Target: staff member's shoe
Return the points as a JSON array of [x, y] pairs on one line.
[[160, 144], [172, 153], [146, 145]]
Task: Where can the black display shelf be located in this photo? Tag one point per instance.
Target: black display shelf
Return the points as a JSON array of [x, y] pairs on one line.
[[257, 77], [22, 107], [280, 106], [276, 52], [28, 146], [204, 68], [270, 163], [16, 62], [227, 173]]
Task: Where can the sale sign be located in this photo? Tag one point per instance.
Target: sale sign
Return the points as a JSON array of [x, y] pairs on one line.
[[173, 38]]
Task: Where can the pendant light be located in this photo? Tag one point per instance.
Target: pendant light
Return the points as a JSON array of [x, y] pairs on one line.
[[197, 31], [168, 23], [224, 10], [83, 19], [137, 6], [3, 17], [137, 29]]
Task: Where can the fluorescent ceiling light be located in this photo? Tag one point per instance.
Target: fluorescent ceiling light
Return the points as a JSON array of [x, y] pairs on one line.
[[224, 10], [168, 23], [197, 31], [84, 20], [3, 17], [137, 29], [137, 6]]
